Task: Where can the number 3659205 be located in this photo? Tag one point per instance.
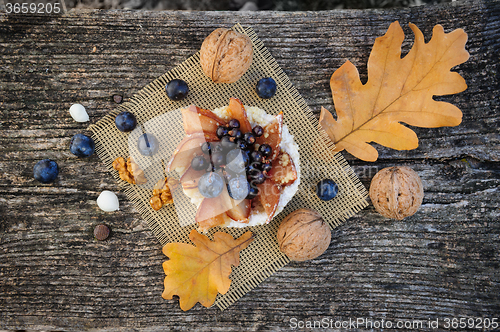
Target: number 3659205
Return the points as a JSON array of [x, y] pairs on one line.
[[33, 8]]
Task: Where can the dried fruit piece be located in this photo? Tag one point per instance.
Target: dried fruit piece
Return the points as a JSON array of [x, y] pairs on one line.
[[272, 135], [129, 171], [209, 114], [118, 99], [212, 208], [241, 212], [196, 120], [205, 224], [283, 171], [398, 90], [237, 111], [197, 274], [269, 197], [190, 178], [188, 148], [226, 55]]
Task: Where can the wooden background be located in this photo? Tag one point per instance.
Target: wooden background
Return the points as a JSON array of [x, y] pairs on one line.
[[443, 262]]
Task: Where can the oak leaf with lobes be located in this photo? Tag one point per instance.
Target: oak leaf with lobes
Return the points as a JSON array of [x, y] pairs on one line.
[[398, 90], [197, 274]]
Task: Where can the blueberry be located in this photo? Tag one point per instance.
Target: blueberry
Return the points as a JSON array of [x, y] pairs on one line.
[[266, 88], [266, 166], [216, 148], [238, 187], [241, 144], [218, 159], [199, 163], [256, 156], [257, 177], [125, 121], [266, 150], [206, 148], [249, 138], [237, 160], [177, 89], [236, 133], [221, 131], [227, 174], [253, 169], [82, 145], [258, 131], [210, 185], [45, 171], [252, 192], [210, 168], [327, 189], [226, 143], [233, 123], [147, 144]]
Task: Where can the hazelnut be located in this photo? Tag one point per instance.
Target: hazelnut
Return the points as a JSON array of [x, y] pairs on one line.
[[226, 55], [303, 235], [396, 192]]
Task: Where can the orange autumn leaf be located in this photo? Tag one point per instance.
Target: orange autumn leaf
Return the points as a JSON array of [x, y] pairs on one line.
[[398, 90], [196, 274]]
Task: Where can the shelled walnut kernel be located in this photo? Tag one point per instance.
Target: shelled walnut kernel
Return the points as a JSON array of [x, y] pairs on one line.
[[162, 194], [129, 171]]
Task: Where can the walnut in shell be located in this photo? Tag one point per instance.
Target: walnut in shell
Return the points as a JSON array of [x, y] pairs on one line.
[[226, 55], [303, 235], [396, 192]]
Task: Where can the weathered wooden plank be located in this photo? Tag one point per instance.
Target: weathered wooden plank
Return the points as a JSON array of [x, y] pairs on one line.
[[441, 263]]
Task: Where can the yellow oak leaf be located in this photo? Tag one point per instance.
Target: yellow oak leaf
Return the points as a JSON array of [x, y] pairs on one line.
[[196, 274], [398, 90]]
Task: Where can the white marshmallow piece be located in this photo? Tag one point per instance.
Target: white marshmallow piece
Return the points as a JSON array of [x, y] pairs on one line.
[[78, 113], [108, 201]]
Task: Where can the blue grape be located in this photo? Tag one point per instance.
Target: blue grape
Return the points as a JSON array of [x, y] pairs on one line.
[[82, 145], [46, 171], [210, 185], [147, 145], [327, 189], [238, 187]]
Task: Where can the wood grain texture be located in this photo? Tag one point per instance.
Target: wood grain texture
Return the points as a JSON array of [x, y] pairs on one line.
[[443, 262]]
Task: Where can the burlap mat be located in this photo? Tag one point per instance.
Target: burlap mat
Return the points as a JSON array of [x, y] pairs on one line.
[[262, 258]]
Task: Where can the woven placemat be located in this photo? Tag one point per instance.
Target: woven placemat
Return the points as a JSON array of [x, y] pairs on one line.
[[317, 161]]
